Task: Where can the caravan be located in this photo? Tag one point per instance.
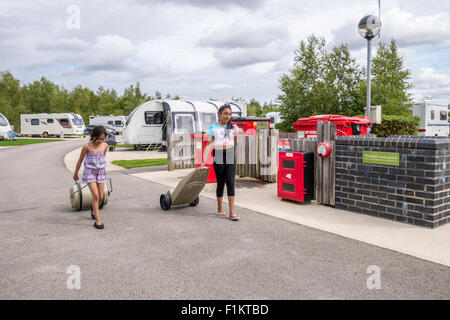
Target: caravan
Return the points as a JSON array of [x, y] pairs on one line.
[[47, 124], [151, 122], [117, 122], [433, 116], [275, 117], [5, 127]]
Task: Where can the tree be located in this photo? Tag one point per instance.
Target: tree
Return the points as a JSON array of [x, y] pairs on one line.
[[253, 108], [320, 82], [390, 82]]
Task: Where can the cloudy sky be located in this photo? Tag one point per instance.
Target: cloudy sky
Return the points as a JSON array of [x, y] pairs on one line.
[[209, 48]]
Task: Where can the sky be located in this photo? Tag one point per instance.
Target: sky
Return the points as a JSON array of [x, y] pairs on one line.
[[200, 49]]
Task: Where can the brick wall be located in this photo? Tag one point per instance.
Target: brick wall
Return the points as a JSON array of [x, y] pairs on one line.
[[417, 191]]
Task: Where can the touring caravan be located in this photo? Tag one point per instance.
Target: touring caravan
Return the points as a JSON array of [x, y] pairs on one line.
[[151, 122], [274, 118], [433, 116], [5, 127], [47, 124], [118, 122]]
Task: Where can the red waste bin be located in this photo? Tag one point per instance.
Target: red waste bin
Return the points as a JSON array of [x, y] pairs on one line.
[[250, 125], [345, 126], [200, 142], [295, 176]]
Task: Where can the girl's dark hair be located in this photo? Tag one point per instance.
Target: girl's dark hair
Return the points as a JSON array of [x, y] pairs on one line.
[[97, 132], [221, 109]]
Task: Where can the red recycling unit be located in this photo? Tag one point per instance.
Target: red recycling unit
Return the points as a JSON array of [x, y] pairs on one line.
[[295, 176]]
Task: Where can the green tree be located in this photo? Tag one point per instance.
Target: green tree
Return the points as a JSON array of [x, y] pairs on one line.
[[253, 108], [390, 82], [320, 82]]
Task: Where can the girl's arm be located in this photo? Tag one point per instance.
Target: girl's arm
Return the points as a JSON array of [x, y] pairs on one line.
[[106, 149], [83, 152], [211, 140]]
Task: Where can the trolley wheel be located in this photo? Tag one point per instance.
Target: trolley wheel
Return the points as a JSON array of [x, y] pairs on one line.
[[195, 202], [111, 148], [165, 202]]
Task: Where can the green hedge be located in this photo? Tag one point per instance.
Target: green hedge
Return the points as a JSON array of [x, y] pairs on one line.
[[397, 125]]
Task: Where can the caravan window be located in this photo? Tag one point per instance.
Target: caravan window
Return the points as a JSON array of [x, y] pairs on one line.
[[184, 123], [110, 122], [432, 114], [64, 123], [153, 117], [34, 122], [443, 115], [207, 119], [77, 120], [3, 121], [118, 123], [49, 120]]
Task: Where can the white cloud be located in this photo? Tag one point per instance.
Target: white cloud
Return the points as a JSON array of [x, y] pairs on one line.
[[197, 48], [220, 86], [428, 82]]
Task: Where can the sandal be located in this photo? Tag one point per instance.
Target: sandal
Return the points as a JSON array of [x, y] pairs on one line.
[[234, 217], [221, 215]]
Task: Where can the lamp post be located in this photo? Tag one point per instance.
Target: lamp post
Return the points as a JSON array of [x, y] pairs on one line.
[[368, 28]]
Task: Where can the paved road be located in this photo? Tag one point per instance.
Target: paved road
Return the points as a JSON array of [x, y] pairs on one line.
[[186, 253]]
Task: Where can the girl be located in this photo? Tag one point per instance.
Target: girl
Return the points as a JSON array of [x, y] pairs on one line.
[[94, 170], [223, 137]]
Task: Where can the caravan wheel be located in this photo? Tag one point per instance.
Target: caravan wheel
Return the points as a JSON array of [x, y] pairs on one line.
[[45, 134], [165, 202]]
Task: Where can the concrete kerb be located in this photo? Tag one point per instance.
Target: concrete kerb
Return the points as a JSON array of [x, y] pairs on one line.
[[420, 242]]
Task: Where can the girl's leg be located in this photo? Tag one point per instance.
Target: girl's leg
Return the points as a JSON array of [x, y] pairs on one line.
[[95, 201], [230, 173], [101, 192], [219, 171]]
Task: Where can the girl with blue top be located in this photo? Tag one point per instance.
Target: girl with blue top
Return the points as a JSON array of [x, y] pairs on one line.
[[223, 137], [94, 174]]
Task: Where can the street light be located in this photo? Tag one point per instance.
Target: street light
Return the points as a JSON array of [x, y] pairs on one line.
[[368, 28]]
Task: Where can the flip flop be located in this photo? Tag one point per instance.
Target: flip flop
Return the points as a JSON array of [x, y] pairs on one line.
[[221, 215], [234, 218]]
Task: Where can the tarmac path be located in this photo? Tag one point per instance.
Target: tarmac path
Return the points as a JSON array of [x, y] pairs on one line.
[[185, 253]]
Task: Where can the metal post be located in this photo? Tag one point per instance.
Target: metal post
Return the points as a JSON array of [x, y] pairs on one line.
[[369, 57]]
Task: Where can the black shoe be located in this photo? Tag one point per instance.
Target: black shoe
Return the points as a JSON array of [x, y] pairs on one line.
[[98, 226], [92, 214]]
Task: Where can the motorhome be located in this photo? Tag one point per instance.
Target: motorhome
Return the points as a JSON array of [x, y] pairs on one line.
[[433, 116], [117, 122], [151, 122], [274, 118], [47, 124], [5, 127]]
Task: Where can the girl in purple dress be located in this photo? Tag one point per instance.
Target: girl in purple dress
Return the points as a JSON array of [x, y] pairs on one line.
[[93, 154]]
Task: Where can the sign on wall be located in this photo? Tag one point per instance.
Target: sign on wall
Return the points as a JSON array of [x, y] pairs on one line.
[[387, 158]]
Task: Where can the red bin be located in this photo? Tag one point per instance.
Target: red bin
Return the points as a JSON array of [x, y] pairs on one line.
[[200, 142], [295, 176], [345, 126]]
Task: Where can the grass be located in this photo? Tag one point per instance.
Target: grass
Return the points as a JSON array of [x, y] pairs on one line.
[[21, 142], [124, 145], [129, 164]]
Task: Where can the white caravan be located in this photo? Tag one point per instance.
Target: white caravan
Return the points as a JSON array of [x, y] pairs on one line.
[[117, 122], [47, 124], [151, 122], [274, 118], [433, 116], [5, 127]]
